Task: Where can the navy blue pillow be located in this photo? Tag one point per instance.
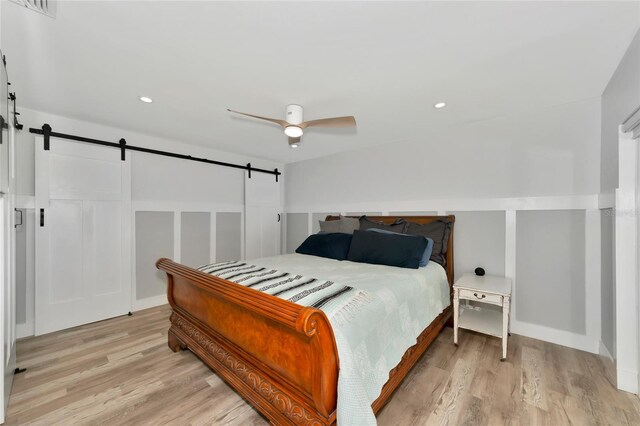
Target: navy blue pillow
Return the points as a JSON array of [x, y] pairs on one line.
[[427, 252], [387, 249], [333, 246]]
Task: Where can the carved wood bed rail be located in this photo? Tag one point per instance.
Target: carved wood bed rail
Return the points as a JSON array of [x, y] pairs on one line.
[[280, 356]]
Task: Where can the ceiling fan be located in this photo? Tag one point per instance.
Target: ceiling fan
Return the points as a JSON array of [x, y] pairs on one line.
[[294, 126]]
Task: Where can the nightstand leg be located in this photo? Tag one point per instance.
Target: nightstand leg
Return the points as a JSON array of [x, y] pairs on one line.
[[456, 302], [506, 306]]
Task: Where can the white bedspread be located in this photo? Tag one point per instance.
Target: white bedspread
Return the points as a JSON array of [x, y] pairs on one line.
[[405, 302]]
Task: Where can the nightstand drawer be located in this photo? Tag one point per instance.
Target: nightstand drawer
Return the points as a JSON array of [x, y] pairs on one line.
[[494, 299]]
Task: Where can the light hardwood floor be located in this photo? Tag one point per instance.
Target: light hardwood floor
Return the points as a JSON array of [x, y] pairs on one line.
[[121, 372]]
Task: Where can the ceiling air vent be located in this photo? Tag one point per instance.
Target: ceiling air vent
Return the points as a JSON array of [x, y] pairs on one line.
[[47, 7]]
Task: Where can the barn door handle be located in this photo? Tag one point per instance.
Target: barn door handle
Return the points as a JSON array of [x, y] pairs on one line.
[[41, 217], [278, 217], [15, 225]]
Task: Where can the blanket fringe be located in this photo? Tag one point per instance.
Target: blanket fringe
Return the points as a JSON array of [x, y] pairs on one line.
[[351, 307]]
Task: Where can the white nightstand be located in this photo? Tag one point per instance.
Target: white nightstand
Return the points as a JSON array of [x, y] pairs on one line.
[[487, 289]]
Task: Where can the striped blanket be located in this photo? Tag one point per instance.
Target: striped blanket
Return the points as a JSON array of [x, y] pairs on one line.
[[339, 302]]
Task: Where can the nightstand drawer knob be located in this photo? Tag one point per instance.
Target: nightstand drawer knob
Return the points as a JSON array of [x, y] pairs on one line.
[[480, 297]]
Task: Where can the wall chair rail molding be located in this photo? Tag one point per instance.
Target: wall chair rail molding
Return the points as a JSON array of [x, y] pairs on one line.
[[122, 145], [569, 202]]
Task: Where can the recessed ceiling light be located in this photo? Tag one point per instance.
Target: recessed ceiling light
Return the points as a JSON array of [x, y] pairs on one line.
[[440, 105], [146, 99]]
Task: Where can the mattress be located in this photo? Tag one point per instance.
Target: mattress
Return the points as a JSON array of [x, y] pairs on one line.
[[404, 302]]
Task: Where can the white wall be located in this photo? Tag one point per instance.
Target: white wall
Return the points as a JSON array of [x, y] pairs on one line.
[[153, 177], [159, 184], [554, 151], [545, 162]]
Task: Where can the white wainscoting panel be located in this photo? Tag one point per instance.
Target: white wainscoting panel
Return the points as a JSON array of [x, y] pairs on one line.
[[195, 238], [193, 233], [300, 221], [297, 230], [154, 239], [607, 282], [583, 257], [550, 269], [228, 236]]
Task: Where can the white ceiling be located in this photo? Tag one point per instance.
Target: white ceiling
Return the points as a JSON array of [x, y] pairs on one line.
[[387, 63]]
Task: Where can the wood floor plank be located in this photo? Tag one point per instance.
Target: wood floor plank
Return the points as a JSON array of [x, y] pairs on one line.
[[565, 409], [27, 396], [556, 376], [121, 372], [94, 353], [186, 381], [449, 405], [533, 381], [474, 412]]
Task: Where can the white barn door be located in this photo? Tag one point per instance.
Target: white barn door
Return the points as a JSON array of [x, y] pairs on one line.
[[7, 244], [262, 215], [83, 231]]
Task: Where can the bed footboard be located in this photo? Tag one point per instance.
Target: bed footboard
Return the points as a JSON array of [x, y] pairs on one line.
[[280, 356]]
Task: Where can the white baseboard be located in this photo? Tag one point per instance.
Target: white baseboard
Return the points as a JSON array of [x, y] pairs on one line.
[[604, 351], [26, 329], [552, 335], [627, 380], [149, 302]]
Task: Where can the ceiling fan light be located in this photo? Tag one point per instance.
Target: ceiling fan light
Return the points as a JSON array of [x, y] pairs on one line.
[[294, 145], [293, 131]]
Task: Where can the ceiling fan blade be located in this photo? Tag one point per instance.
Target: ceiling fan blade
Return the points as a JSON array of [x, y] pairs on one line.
[[349, 121], [294, 141], [273, 120]]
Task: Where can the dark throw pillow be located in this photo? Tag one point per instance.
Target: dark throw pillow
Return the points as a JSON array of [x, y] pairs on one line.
[[386, 249], [426, 256], [398, 226], [333, 246], [439, 232]]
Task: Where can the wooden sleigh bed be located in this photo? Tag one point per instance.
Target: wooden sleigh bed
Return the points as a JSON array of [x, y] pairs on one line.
[[280, 356]]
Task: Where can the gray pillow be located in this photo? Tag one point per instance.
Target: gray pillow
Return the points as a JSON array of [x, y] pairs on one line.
[[345, 225], [349, 224], [439, 232], [330, 226], [398, 226]]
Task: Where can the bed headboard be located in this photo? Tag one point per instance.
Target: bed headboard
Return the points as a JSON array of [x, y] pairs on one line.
[[421, 220]]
